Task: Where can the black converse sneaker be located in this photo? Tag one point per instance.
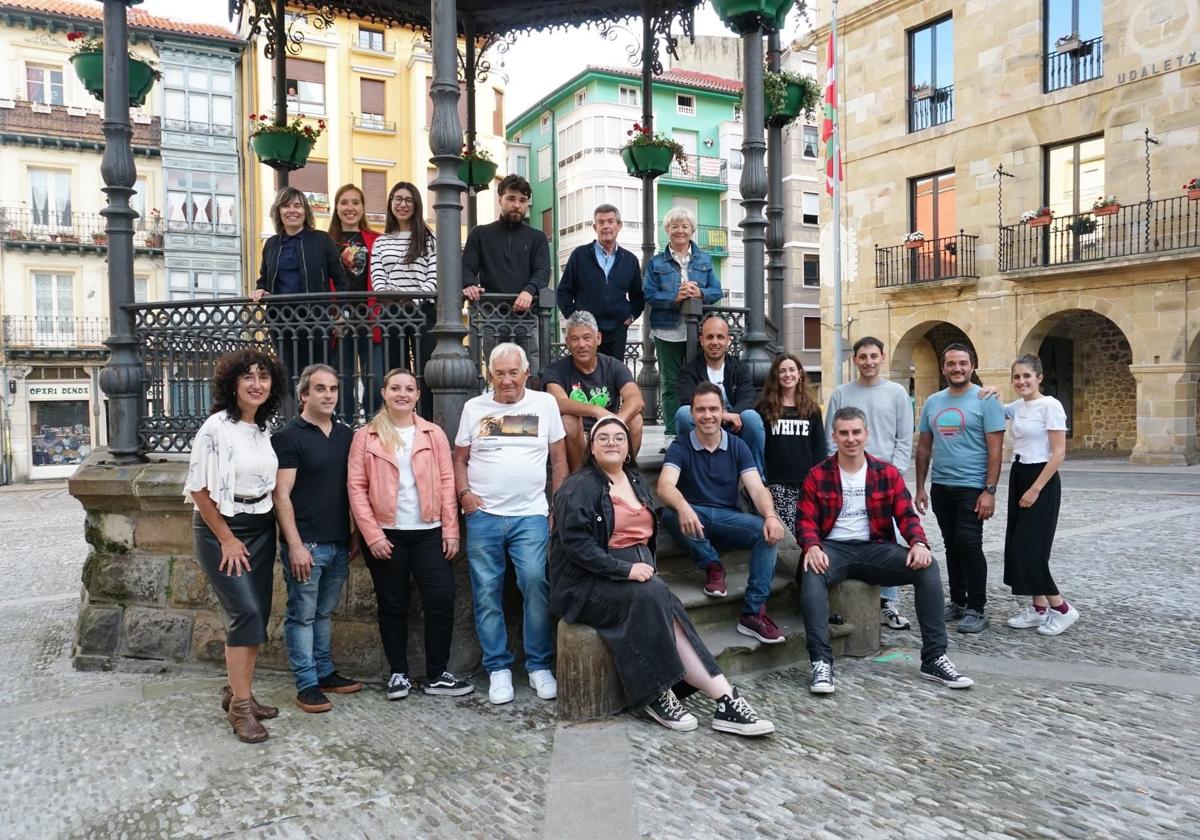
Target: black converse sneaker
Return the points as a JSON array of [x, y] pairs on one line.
[[942, 670], [448, 684], [398, 687], [668, 711], [822, 677], [734, 714]]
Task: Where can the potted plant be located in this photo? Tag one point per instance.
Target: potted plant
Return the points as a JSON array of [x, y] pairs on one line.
[[787, 95], [88, 62], [922, 91], [477, 168], [1103, 206], [1067, 43], [747, 15], [283, 145], [1192, 188], [914, 240], [154, 240], [1083, 226], [651, 153], [1037, 218]]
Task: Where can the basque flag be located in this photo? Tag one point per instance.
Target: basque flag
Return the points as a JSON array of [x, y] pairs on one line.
[[829, 132]]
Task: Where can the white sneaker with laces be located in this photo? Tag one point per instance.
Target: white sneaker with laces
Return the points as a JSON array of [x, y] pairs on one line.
[[500, 690], [1057, 622], [544, 684], [1029, 617]]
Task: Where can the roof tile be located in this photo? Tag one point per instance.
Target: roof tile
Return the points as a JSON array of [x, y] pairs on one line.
[[137, 19], [692, 78]]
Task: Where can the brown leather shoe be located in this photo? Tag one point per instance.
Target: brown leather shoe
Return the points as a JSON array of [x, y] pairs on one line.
[[245, 725], [260, 711]]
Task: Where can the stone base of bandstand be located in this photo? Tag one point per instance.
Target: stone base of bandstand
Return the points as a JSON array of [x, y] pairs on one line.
[[146, 603]]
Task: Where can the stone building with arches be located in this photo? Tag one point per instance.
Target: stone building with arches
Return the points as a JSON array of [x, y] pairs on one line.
[[1039, 149]]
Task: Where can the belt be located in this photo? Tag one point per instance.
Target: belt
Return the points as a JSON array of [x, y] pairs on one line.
[[249, 500]]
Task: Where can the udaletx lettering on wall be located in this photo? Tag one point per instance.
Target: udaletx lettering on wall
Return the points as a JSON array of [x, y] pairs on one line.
[[1157, 68]]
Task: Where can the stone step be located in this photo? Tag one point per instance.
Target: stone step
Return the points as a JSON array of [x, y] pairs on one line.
[[740, 654], [687, 582]]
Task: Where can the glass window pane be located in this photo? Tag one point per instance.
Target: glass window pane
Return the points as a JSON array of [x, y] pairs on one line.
[[222, 82], [174, 105], [202, 181], [222, 111], [197, 79], [180, 280], [922, 57], [173, 76], [198, 108], [64, 296], [944, 47], [43, 295], [176, 179], [227, 282], [176, 208]]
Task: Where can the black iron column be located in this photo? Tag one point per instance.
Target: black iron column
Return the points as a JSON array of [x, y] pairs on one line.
[[123, 378], [279, 62], [469, 76], [647, 378], [449, 373], [753, 186], [776, 267]]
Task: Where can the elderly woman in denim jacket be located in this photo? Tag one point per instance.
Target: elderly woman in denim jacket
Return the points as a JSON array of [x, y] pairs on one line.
[[680, 272]]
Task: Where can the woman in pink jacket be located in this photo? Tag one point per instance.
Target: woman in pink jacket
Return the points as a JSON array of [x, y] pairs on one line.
[[402, 498]]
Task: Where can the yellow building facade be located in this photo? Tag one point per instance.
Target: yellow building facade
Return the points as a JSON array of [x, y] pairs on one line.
[[1061, 104]]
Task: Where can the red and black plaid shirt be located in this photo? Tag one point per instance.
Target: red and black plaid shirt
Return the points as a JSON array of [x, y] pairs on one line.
[[886, 497]]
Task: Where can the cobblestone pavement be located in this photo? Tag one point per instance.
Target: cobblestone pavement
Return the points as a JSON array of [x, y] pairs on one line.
[[1088, 735]]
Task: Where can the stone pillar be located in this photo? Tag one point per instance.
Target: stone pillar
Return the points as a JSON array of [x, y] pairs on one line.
[[753, 186], [1166, 414]]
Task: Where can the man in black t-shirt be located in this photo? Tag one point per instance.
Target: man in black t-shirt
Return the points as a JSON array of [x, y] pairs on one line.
[[589, 385], [312, 505]]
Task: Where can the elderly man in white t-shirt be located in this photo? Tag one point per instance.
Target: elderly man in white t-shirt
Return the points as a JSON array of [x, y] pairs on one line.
[[504, 438]]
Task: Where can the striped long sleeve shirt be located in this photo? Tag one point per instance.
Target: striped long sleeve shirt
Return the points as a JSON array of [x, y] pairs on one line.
[[390, 272]]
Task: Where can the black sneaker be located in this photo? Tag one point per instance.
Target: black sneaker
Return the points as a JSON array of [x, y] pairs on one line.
[[312, 700], [668, 711], [734, 714], [398, 687], [449, 685], [335, 683], [822, 677], [942, 670], [954, 612]]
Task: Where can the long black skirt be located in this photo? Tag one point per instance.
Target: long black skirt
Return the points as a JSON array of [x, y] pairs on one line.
[[245, 599], [1030, 533], [636, 621]]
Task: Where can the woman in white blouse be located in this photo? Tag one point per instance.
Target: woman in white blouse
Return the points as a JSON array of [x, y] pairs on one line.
[[1039, 437], [230, 478]]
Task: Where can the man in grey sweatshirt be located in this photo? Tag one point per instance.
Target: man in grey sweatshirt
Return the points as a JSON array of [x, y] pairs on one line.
[[890, 419]]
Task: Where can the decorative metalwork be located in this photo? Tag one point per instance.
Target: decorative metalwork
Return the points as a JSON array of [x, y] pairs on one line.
[[52, 230], [633, 51], [950, 257], [1076, 66], [928, 107], [262, 22]]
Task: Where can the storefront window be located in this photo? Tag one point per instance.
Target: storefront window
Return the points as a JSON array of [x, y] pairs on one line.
[[60, 432]]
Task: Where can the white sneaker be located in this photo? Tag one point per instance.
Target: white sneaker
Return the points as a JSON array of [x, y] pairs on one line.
[[1029, 617], [501, 690], [544, 684], [1057, 622]]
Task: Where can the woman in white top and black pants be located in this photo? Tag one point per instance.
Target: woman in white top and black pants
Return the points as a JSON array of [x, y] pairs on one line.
[[1039, 436], [230, 478]]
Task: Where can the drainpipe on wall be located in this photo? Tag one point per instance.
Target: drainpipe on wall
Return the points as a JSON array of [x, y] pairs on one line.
[[554, 275]]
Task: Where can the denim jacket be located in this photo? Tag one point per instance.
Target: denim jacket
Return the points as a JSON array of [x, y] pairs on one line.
[[661, 283]]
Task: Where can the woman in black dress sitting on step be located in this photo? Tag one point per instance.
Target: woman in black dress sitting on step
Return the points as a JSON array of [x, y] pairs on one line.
[[602, 573]]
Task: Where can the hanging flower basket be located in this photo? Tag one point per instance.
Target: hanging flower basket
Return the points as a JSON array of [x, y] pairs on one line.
[[477, 169], [283, 147], [88, 62], [1192, 188], [787, 95], [747, 15], [649, 153]]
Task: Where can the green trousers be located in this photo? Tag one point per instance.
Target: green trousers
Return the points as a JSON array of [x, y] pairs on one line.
[[671, 356]]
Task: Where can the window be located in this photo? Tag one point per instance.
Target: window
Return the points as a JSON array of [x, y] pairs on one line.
[[933, 205], [810, 141], [685, 104], [1074, 175], [580, 97], [44, 84], [313, 181], [931, 74], [498, 112], [54, 305], [810, 202], [305, 86], [1074, 43], [50, 197], [627, 95], [548, 222], [735, 158], [138, 202], [198, 100], [546, 121], [371, 99], [521, 164], [1082, 18], [688, 139], [141, 288], [812, 269], [198, 285], [737, 113], [545, 163], [375, 190], [201, 201], [370, 39], [812, 333]]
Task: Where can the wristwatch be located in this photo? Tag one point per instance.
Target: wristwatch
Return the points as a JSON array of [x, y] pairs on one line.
[[991, 488]]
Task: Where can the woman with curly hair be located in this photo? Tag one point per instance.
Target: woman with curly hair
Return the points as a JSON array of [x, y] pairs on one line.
[[230, 478], [795, 434]]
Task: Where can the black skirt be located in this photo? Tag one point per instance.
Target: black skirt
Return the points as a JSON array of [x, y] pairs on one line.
[[245, 600], [636, 621], [1030, 533]]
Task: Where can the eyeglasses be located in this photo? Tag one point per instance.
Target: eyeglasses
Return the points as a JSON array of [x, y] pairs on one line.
[[403, 200], [619, 437]]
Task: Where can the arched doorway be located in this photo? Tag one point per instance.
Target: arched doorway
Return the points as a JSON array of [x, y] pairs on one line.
[[1086, 357], [916, 359]]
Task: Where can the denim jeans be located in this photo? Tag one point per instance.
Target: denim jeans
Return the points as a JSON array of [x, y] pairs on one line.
[[730, 529], [752, 433], [307, 627], [962, 532], [883, 564], [524, 539]]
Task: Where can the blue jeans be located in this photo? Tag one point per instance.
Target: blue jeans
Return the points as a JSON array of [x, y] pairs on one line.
[[524, 539], [752, 433], [307, 627], [730, 529]]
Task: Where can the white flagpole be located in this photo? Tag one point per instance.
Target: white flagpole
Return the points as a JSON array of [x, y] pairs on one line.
[[837, 212]]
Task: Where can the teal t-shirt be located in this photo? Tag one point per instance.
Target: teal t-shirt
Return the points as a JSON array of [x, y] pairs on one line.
[[960, 426]]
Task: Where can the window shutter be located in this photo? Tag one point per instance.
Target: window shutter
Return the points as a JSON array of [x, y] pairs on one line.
[[374, 187], [313, 178], [372, 96], [303, 70]]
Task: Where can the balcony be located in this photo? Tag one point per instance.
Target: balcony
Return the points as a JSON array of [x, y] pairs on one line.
[[928, 107], [713, 240], [1135, 230], [370, 122], [64, 127], [709, 171], [28, 336], [65, 231], [948, 258], [1074, 64]]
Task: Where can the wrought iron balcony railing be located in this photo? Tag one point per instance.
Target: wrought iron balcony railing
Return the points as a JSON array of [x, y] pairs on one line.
[[701, 169], [928, 107], [1074, 65], [1154, 227], [366, 122], [32, 335], [947, 258], [63, 229], [713, 239], [66, 126]]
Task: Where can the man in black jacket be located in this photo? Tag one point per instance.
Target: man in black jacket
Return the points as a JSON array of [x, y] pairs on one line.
[[737, 388], [606, 280]]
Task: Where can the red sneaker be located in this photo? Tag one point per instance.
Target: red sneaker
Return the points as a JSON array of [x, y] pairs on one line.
[[760, 626], [714, 585]]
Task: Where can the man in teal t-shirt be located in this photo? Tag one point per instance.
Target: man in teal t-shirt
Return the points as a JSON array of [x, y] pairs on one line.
[[964, 434]]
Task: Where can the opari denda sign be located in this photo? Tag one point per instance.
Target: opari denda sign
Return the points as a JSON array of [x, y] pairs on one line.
[[57, 392], [1158, 67]]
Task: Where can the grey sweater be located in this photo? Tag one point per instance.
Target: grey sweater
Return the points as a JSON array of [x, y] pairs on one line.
[[889, 419]]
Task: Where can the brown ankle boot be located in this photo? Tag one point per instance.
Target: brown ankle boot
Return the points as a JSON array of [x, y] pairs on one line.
[[245, 724], [260, 711]]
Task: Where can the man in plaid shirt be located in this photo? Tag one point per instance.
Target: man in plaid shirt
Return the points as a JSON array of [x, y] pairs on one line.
[[847, 507]]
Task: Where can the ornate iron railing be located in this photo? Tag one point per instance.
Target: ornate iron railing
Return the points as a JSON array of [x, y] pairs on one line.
[[1153, 227], [701, 169], [928, 107], [70, 126], [1074, 66], [55, 228], [934, 259], [713, 239], [32, 335]]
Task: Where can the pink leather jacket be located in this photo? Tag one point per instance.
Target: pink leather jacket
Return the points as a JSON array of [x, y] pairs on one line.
[[374, 478]]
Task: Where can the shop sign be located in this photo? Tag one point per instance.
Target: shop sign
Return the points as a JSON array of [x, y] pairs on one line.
[[63, 391]]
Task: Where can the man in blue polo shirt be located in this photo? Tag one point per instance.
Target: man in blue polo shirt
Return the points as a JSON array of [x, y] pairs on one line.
[[699, 486]]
